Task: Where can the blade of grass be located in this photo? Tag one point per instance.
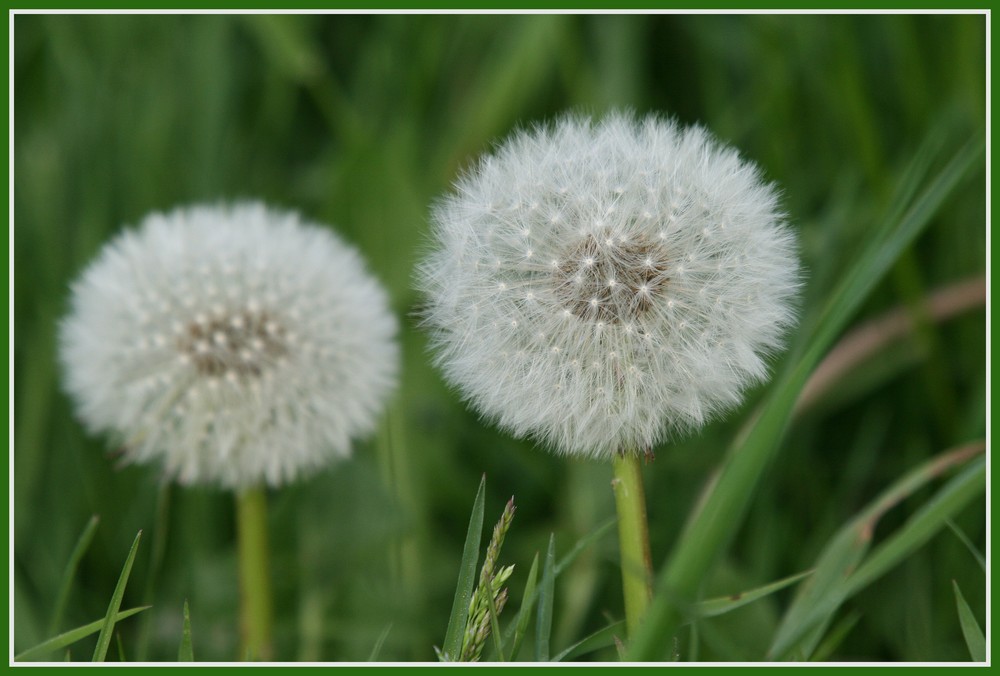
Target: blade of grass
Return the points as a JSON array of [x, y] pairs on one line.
[[120, 646], [585, 542], [694, 642], [524, 612], [546, 592], [725, 604], [834, 638], [157, 550], [104, 638], [812, 638], [619, 648], [949, 500], [495, 628], [819, 598], [974, 638], [874, 336], [79, 549], [839, 572], [924, 524], [721, 511], [531, 594], [72, 636], [377, 648], [968, 544], [514, 69], [289, 49], [452, 648], [185, 653], [602, 638]]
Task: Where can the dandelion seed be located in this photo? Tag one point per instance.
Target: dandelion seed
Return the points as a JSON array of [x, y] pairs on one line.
[[237, 397], [636, 281]]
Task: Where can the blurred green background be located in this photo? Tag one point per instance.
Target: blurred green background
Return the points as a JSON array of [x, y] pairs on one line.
[[360, 122]]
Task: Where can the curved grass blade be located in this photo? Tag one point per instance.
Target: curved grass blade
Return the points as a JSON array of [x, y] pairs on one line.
[[602, 638], [377, 648], [524, 612], [922, 525], [104, 638], [974, 638], [513, 72], [834, 638], [72, 636], [694, 640], [495, 627], [186, 651], [964, 539], [158, 548], [517, 630], [819, 599], [721, 511], [79, 549], [452, 648], [724, 604], [543, 627], [584, 542], [839, 572], [289, 49]]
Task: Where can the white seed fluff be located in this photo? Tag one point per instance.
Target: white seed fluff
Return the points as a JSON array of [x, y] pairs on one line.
[[602, 286], [236, 345]]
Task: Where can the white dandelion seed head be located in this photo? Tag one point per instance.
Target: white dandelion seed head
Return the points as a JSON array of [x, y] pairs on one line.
[[235, 345], [662, 276]]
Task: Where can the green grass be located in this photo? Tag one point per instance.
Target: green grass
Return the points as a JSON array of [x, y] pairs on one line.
[[873, 128]]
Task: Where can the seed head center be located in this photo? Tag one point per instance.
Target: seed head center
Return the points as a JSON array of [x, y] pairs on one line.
[[612, 281], [243, 343]]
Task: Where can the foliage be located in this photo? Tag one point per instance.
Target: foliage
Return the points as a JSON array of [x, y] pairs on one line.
[[363, 121]]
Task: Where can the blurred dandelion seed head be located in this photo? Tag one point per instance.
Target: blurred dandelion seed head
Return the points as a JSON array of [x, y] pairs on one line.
[[234, 344], [601, 286]]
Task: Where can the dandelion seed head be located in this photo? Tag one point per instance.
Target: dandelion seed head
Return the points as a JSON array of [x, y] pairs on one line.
[[233, 345], [671, 280]]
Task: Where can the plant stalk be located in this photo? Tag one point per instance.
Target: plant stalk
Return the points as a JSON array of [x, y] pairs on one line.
[[255, 575], [633, 538]]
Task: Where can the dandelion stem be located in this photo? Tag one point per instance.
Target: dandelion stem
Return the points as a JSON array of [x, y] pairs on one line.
[[633, 538], [255, 582]]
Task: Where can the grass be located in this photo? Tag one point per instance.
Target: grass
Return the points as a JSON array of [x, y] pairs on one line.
[[872, 125]]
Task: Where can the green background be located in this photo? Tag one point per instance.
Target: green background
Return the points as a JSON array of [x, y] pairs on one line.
[[361, 122]]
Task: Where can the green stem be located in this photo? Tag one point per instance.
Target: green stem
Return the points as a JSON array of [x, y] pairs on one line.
[[633, 538], [255, 575]]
